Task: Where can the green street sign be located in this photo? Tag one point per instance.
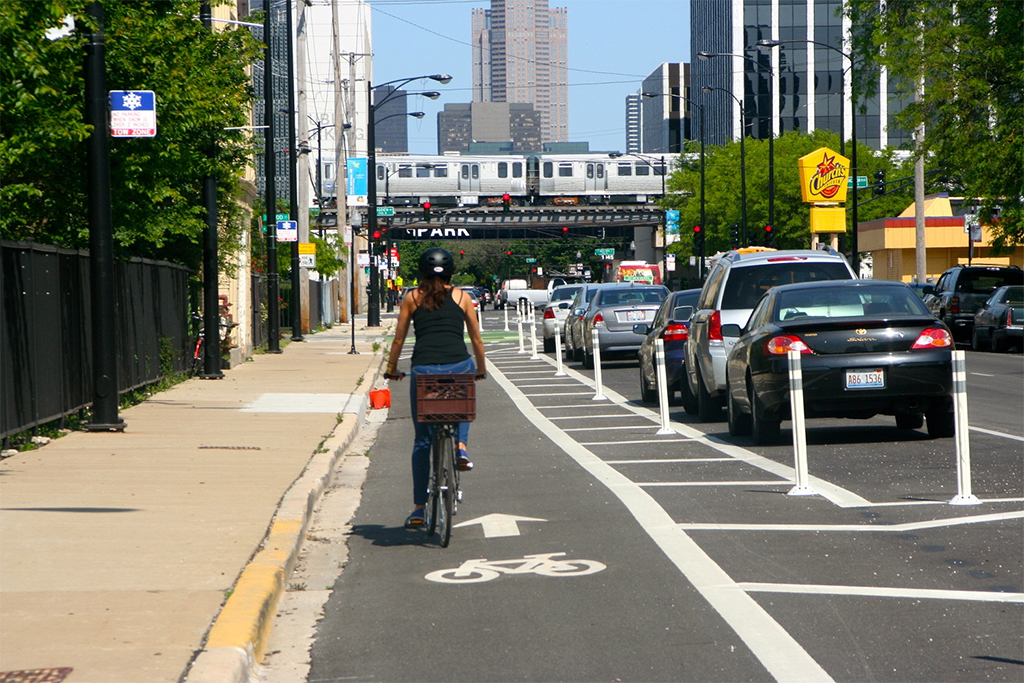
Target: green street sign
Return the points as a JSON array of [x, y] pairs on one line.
[[280, 217], [531, 260], [384, 211], [862, 182], [606, 251]]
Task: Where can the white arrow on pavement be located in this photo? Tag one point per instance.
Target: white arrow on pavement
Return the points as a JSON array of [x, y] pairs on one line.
[[497, 525]]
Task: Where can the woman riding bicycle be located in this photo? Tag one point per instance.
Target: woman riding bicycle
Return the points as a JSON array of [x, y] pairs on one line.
[[439, 313]]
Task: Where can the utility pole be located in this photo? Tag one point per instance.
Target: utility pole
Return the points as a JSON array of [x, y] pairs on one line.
[[270, 159], [293, 181], [211, 285]]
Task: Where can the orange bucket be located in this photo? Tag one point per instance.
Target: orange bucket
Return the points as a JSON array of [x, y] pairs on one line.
[[380, 398]]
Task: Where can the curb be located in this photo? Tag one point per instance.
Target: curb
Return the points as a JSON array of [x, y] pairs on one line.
[[238, 637]]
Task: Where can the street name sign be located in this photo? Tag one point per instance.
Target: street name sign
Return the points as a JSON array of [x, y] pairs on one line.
[[609, 251], [385, 211]]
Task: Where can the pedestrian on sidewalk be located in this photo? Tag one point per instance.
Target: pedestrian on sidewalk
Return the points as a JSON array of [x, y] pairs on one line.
[[440, 315]]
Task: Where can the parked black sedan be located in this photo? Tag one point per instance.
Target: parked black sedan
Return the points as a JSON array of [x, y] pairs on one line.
[[671, 323], [866, 347], [999, 323]]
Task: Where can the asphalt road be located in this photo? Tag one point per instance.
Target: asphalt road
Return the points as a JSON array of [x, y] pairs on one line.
[[687, 560]]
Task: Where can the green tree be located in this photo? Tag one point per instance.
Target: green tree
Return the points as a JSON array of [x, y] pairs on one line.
[[970, 54], [201, 87]]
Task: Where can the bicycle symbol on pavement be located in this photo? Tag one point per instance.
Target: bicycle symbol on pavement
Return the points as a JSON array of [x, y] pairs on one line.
[[478, 571]]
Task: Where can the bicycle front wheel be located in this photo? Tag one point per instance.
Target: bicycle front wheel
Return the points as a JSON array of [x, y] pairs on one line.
[[432, 489], [447, 486]]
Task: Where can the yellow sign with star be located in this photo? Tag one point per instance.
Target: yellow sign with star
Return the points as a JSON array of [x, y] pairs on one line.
[[823, 176]]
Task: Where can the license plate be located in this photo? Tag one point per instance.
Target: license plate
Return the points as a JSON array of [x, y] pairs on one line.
[[636, 315], [865, 379]]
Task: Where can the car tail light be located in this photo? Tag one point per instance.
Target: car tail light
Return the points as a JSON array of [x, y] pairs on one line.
[[676, 333], [715, 327], [954, 305], [549, 313], [598, 319], [1009, 317], [784, 343], [933, 338]]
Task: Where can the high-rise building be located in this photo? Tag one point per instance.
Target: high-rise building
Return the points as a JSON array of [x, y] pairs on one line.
[[513, 127], [521, 55], [391, 132], [633, 104], [664, 118], [796, 86]]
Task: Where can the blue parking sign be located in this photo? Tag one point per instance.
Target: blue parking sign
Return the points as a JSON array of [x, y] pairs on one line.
[[132, 113]]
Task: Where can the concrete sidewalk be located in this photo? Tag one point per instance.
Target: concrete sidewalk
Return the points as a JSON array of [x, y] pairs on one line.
[[118, 551]]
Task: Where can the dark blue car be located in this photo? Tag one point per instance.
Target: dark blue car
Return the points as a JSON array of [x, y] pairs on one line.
[[671, 323]]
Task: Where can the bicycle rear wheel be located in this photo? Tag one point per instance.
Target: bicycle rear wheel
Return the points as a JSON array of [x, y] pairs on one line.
[[432, 487], [446, 486]]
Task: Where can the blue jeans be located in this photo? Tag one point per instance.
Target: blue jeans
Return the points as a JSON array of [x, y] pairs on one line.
[[425, 430]]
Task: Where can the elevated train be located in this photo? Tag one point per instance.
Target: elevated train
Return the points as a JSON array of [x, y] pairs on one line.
[[529, 180]]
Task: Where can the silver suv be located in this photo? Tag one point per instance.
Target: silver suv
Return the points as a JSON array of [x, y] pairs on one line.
[[733, 288]]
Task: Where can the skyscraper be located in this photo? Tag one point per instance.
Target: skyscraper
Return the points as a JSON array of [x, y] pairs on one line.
[[520, 54], [633, 105]]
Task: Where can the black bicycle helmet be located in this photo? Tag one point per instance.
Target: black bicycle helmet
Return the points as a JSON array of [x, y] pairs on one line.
[[436, 261]]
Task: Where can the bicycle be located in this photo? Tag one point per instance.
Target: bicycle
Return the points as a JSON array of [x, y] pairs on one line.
[[197, 349], [445, 400], [545, 564]]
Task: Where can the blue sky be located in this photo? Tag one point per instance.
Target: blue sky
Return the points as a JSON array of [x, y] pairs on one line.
[[613, 45]]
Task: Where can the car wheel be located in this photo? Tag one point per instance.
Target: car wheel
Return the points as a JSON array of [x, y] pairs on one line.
[[739, 422], [688, 399], [647, 395], [588, 360], [549, 345], [708, 409], [765, 427], [941, 422], [976, 343], [909, 420]]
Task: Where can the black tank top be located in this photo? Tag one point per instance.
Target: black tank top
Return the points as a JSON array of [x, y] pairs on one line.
[[439, 334]]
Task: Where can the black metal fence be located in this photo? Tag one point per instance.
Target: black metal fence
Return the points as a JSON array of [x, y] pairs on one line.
[[46, 330]]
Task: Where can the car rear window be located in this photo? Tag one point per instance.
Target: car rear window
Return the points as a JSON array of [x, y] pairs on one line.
[[988, 281], [564, 294], [848, 302], [746, 286], [632, 296]]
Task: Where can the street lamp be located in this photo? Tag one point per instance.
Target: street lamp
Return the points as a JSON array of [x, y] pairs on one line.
[[743, 159], [373, 305], [771, 128], [768, 44], [700, 269]]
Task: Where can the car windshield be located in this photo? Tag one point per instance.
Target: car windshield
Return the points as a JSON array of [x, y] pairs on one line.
[[746, 285], [1014, 296], [617, 297], [564, 294], [848, 302], [987, 281]]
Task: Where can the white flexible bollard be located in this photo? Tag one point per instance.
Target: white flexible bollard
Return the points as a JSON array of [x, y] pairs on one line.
[[480, 316], [533, 339], [504, 308], [963, 441], [597, 367], [796, 407], [659, 357], [559, 372], [519, 325]]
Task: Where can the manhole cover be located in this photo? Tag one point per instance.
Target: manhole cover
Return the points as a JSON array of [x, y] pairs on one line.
[[35, 675]]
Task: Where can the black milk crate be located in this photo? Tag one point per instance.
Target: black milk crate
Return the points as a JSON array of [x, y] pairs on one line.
[[445, 398]]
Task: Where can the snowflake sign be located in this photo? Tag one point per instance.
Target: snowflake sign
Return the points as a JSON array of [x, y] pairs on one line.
[[132, 113]]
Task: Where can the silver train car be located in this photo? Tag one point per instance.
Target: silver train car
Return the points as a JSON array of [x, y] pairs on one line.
[[529, 180]]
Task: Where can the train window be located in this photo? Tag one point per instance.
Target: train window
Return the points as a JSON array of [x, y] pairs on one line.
[[659, 169], [382, 172], [643, 169], [600, 170], [441, 171], [549, 169], [476, 171], [503, 169], [625, 168], [565, 169], [404, 171], [590, 170], [423, 170], [517, 169], [465, 171]]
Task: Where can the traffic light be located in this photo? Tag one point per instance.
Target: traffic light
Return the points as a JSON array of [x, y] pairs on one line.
[[462, 252], [769, 236], [698, 240], [879, 183], [734, 234], [506, 202], [508, 253], [565, 231], [375, 245], [426, 211]]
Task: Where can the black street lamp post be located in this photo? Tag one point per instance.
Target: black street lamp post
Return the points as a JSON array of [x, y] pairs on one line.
[[767, 43], [373, 305], [743, 160]]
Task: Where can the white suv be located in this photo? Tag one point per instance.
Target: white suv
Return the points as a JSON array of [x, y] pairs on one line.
[[733, 288]]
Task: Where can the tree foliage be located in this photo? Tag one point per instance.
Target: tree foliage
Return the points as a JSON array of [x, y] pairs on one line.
[[970, 55], [201, 87]]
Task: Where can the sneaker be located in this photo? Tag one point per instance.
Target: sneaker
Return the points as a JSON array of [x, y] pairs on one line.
[[415, 520], [462, 461]]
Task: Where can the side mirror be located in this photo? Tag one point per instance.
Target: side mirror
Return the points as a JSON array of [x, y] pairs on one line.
[[928, 289], [578, 312], [641, 328], [731, 330]]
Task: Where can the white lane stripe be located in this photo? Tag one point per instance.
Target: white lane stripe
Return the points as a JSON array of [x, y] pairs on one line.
[[560, 393], [995, 433], [883, 592], [982, 374], [907, 526], [773, 646], [654, 484], [592, 406], [597, 429], [652, 440], [656, 461], [589, 417], [835, 494]]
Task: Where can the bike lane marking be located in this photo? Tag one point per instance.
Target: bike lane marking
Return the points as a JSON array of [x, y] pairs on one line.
[[497, 525], [773, 646]]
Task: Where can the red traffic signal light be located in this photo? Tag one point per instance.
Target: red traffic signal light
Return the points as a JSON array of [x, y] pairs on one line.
[[376, 234], [462, 252], [426, 206], [426, 211], [696, 229], [508, 253], [767, 228], [506, 202]]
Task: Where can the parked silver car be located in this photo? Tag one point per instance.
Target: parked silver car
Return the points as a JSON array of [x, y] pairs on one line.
[[614, 311], [573, 330]]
